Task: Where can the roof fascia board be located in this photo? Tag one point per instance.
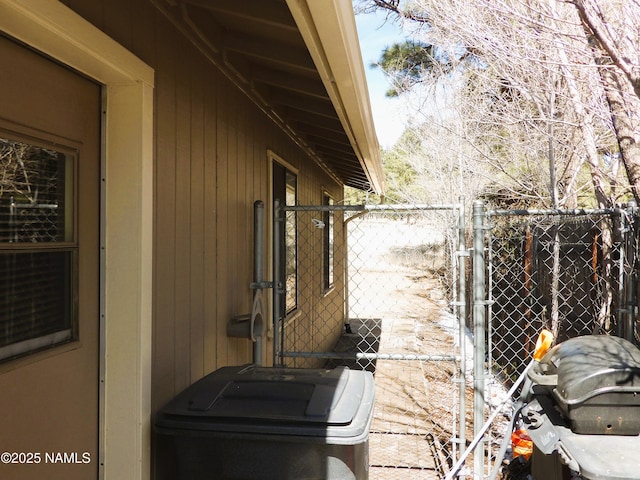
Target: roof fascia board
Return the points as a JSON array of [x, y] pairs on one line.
[[329, 31]]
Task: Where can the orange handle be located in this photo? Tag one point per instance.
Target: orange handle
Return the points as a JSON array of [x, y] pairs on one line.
[[543, 344]]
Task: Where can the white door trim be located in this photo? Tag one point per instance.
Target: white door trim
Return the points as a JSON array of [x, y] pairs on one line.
[[127, 221]]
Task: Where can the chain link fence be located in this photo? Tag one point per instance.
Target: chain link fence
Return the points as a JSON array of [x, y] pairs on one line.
[[572, 272], [383, 289], [569, 272], [380, 300]]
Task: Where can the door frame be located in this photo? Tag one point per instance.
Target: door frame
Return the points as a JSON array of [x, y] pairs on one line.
[[126, 221]]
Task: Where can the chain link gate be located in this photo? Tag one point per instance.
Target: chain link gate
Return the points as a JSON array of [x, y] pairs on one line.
[[572, 272], [371, 287]]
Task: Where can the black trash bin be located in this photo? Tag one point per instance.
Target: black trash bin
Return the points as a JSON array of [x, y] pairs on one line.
[[272, 423]]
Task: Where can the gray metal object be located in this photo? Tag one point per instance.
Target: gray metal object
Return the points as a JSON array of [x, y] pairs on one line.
[[601, 457], [252, 325], [278, 287], [479, 319], [597, 384], [462, 324], [257, 332]]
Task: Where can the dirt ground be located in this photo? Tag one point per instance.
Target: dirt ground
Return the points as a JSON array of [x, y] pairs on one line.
[[402, 310], [413, 415]]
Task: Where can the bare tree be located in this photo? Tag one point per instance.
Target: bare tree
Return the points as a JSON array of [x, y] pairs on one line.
[[613, 26], [530, 94], [546, 92], [611, 29]]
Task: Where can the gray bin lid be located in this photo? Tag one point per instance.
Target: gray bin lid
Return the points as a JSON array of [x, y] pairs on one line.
[[285, 401]]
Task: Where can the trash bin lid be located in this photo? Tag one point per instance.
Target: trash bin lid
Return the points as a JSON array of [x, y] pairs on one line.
[[275, 400]]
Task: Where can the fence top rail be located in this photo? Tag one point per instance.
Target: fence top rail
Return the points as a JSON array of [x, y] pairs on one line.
[[551, 212], [322, 208], [373, 356], [360, 208]]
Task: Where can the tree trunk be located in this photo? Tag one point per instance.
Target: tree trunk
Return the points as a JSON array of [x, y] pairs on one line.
[[585, 124], [627, 128]]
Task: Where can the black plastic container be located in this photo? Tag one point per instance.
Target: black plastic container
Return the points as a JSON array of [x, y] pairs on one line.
[[272, 423], [595, 381]]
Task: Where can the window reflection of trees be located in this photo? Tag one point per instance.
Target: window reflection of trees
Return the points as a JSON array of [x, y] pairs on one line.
[[32, 193], [291, 245], [36, 284]]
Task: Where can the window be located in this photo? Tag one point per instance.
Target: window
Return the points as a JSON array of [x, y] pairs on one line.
[[37, 247], [327, 247], [285, 190], [291, 245]]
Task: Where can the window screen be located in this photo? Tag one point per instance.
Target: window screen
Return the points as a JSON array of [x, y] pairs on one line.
[[37, 248]]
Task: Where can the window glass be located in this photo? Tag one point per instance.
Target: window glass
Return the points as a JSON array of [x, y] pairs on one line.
[[37, 249], [291, 244], [285, 191]]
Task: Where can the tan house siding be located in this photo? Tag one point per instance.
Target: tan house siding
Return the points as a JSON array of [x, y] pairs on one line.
[[211, 164], [320, 320], [185, 155]]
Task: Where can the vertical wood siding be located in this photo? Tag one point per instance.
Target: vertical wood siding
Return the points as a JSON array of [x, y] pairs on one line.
[[211, 164]]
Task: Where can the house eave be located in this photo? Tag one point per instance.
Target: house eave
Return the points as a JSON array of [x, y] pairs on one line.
[[329, 31], [299, 61]]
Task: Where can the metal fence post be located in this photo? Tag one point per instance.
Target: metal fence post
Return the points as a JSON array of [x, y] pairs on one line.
[[278, 284], [479, 306], [462, 325], [627, 282], [632, 276], [257, 322]]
